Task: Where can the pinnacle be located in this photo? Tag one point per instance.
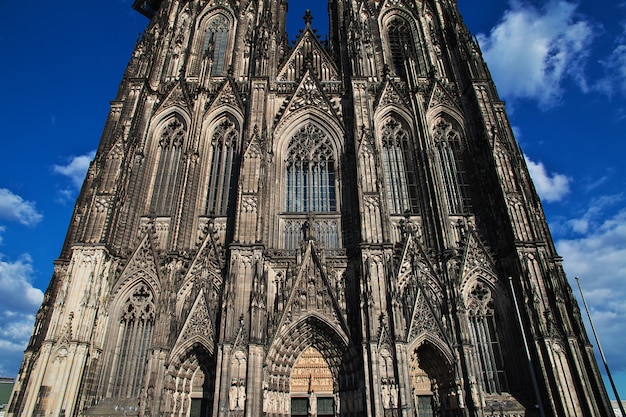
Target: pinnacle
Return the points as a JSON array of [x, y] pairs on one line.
[[308, 17]]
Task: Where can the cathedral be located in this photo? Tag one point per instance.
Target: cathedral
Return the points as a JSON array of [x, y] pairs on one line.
[[321, 228]]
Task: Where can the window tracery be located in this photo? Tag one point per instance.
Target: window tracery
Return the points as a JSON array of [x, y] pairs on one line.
[[448, 142], [485, 338], [403, 48], [224, 145], [215, 43], [310, 172], [135, 334], [310, 166], [170, 148], [399, 164]]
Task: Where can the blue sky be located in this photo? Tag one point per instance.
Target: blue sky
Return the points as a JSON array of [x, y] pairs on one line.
[[559, 65]]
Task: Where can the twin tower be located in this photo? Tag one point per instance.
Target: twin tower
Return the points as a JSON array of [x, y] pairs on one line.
[[339, 228]]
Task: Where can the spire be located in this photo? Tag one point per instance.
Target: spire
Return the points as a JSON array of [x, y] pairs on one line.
[[308, 18]]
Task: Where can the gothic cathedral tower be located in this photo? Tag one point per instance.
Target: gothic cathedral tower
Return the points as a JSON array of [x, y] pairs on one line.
[[341, 228]]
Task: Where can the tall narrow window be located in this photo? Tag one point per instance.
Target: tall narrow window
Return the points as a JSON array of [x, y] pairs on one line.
[[224, 144], [455, 185], [293, 233], [403, 48], [215, 43], [399, 165], [134, 337], [485, 338], [170, 148], [325, 232], [310, 172]]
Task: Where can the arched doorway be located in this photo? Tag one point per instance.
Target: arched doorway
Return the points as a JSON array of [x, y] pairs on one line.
[[200, 394], [305, 342], [432, 383], [190, 384], [312, 386]]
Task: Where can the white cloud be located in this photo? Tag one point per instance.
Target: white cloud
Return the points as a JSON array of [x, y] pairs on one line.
[[550, 186], [531, 51], [16, 292], [590, 219], [15, 208], [20, 301], [599, 259], [614, 66], [76, 168]]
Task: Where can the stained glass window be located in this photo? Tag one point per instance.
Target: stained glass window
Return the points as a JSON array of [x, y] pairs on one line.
[[170, 149], [224, 144], [310, 172], [399, 165], [215, 43], [135, 335], [485, 338]]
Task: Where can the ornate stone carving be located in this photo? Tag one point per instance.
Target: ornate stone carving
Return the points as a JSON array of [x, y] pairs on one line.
[[391, 96], [199, 322], [308, 94], [249, 204], [173, 135]]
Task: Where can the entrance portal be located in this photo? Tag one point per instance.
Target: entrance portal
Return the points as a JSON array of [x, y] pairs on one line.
[[312, 386], [432, 383]]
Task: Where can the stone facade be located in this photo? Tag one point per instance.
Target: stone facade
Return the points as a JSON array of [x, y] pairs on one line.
[[322, 229]]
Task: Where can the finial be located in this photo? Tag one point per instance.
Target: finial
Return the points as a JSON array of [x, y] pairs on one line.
[[308, 17]]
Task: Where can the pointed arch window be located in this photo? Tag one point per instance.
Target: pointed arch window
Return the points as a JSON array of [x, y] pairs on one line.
[[215, 43], [134, 337], [310, 172], [224, 145], [485, 339], [170, 148], [311, 189], [448, 143], [403, 48], [399, 165]]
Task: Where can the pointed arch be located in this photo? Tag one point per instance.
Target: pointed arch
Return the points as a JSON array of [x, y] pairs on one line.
[[130, 337], [448, 135], [141, 266], [197, 329], [308, 171], [433, 387], [189, 382], [204, 274], [165, 151], [111, 166], [477, 262], [399, 163], [308, 52], [220, 152], [213, 44], [441, 346], [485, 327], [336, 350], [292, 121], [404, 45]]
